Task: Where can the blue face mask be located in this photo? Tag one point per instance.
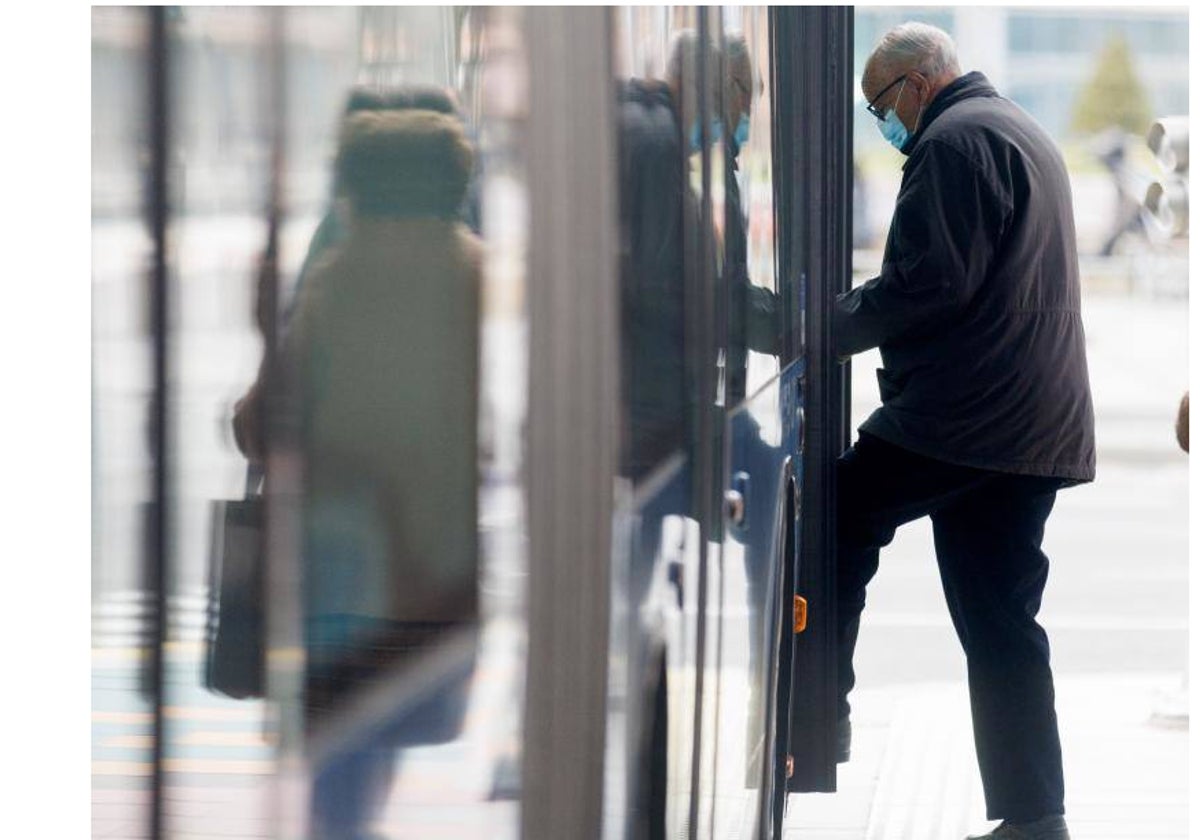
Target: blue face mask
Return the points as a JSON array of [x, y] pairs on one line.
[[891, 128], [714, 134], [742, 133]]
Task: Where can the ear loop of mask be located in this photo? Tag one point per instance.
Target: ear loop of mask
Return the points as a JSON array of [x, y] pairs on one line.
[[920, 113]]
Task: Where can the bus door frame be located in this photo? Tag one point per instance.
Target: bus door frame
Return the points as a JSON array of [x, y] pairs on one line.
[[812, 56]]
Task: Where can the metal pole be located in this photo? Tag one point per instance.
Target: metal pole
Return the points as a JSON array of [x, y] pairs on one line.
[[572, 438], [158, 66]]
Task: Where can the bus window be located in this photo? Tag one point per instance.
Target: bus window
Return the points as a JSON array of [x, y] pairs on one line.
[[667, 148], [755, 322], [659, 211]]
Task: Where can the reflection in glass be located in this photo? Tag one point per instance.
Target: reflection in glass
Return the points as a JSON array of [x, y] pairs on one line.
[[755, 318], [380, 355], [216, 746], [659, 132], [121, 628], [669, 127], [371, 414], [384, 340], [754, 336]]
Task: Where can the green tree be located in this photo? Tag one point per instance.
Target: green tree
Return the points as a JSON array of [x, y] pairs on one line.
[[1113, 96]]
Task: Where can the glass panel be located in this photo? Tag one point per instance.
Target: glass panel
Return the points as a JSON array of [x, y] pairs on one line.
[[410, 568], [656, 568], [743, 592], [122, 455], [659, 218], [218, 759], [746, 205], [400, 383]]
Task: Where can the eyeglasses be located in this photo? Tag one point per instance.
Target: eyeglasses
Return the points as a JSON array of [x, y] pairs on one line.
[[875, 112]]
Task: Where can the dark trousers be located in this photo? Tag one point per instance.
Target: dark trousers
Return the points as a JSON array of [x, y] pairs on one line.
[[987, 529]]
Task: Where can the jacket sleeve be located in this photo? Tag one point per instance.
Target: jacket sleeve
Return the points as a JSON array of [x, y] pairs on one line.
[[763, 330], [947, 224]]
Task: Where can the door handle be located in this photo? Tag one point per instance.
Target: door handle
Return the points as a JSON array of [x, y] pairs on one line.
[[735, 499]]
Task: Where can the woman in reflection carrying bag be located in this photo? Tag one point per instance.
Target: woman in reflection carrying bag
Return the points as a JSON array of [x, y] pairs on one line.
[[381, 363], [385, 342]]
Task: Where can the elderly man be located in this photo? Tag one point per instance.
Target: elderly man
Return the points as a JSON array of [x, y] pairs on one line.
[[986, 409], [658, 131]]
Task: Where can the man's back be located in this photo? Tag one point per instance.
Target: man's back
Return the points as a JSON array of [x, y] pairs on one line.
[[986, 406], [653, 203], [976, 311]]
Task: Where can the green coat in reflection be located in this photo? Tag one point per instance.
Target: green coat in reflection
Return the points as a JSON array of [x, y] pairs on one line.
[[385, 346]]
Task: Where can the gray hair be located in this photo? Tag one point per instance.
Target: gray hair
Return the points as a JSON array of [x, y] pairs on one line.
[[684, 51], [917, 46], [681, 67], [681, 72]]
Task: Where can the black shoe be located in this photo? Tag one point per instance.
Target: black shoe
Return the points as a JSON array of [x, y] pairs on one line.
[[843, 740], [1053, 827]]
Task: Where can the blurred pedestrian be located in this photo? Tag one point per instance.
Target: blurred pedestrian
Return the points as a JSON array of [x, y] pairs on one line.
[[384, 346], [248, 420], [379, 365], [1111, 147], [987, 408]]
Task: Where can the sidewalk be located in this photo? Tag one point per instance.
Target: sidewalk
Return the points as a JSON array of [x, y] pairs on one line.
[[912, 775]]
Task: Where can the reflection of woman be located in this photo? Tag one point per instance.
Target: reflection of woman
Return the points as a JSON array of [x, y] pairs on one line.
[[331, 229], [247, 421], [384, 345]]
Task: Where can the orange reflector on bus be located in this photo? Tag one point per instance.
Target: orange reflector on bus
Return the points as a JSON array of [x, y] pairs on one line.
[[799, 615]]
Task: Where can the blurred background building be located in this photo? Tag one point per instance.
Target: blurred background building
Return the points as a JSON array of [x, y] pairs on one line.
[[1095, 78], [1043, 58]]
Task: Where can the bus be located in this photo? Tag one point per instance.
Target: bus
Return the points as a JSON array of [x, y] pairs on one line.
[[464, 418]]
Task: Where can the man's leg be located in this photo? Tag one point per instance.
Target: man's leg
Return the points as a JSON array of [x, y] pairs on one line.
[[879, 488], [993, 573]]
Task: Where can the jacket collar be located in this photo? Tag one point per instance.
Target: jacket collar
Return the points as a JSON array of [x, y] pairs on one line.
[[967, 86]]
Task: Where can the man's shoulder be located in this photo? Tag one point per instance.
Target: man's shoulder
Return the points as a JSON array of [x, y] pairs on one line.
[[649, 139], [647, 125], [985, 123], [991, 133]]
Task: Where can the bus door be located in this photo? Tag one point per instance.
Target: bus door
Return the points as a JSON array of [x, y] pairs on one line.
[[668, 161], [785, 205], [747, 588]]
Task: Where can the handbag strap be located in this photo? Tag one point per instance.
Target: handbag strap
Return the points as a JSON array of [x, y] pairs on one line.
[[255, 476]]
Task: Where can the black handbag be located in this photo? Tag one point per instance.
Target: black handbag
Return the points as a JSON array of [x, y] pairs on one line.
[[234, 662]]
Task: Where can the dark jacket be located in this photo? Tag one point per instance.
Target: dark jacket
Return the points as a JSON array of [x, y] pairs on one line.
[[976, 309], [654, 201]]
